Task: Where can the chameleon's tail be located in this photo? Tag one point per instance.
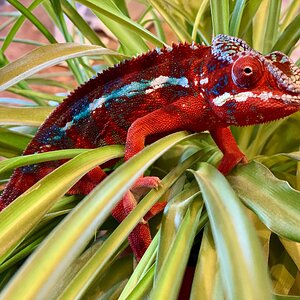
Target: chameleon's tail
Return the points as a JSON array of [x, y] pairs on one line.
[[18, 184], [25, 177]]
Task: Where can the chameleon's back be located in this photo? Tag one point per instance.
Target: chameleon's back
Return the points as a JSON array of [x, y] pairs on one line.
[[101, 111]]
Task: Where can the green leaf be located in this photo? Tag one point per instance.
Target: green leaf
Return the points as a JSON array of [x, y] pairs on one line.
[[286, 297], [199, 16], [236, 17], [44, 57], [28, 209], [272, 138], [182, 34], [289, 38], [131, 42], [259, 25], [39, 97], [272, 26], [24, 41], [107, 283], [8, 140], [81, 24], [176, 259], [263, 134], [283, 270], [72, 235], [249, 12], [80, 74], [207, 273], [144, 285], [289, 14], [112, 14], [33, 19], [32, 116], [273, 200], [293, 249], [141, 269], [242, 264], [81, 282], [220, 16], [173, 217], [15, 162], [49, 82], [111, 282]]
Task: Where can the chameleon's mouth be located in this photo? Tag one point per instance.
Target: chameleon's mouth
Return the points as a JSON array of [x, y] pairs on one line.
[[289, 99]]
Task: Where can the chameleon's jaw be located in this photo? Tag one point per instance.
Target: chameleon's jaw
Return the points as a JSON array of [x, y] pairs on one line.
[[249, 107]]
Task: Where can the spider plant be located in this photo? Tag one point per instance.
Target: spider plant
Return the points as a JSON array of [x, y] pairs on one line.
[[236, 236]]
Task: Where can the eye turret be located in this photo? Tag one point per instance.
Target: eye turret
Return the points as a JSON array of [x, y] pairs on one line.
[[246, 71]]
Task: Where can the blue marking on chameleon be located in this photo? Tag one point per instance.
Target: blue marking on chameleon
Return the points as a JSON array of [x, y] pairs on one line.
[[57, 133], [222, 82], [54, 133], [231, 107], [158, 51], [137, 88], [84, 107], [284, 59], [28, 169], [79, 106], [181, 81], [211, 67]]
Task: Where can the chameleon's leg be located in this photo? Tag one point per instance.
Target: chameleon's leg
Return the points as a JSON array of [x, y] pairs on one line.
[[227, 144], [88, 182], [140, 238], [163, 120]]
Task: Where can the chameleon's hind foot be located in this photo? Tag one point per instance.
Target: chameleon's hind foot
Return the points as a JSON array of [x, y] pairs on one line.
[[140, 238]]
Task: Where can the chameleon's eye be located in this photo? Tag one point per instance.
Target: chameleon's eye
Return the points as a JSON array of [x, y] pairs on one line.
[[247, 71]]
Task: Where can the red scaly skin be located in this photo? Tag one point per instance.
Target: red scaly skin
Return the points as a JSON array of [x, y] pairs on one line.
[[187, 87]]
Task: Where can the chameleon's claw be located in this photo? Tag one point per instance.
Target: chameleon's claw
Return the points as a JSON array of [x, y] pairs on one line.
[[143, 184]]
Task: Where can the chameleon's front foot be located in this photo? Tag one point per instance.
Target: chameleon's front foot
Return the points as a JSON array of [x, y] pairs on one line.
[[230, 160], [140, 238], [227, 144]]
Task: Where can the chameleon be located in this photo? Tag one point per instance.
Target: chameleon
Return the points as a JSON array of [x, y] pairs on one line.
[[180, 87]]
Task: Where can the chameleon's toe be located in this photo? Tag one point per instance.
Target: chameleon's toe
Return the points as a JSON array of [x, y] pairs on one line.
[[144, 184], [147, 182]]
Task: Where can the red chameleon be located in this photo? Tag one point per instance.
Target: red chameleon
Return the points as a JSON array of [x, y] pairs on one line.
[[184, 87]]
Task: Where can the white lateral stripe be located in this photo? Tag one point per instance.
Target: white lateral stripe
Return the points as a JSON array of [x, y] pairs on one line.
[[264, 96]]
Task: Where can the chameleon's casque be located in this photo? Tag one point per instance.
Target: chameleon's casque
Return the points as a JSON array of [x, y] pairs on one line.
[[183, 87]]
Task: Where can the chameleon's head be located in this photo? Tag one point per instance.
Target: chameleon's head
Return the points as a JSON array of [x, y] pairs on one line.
[[248, 87]]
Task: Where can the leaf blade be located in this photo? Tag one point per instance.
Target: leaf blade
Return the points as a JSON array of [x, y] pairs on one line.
[[275, 203], [45, 56], [243, 268]]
